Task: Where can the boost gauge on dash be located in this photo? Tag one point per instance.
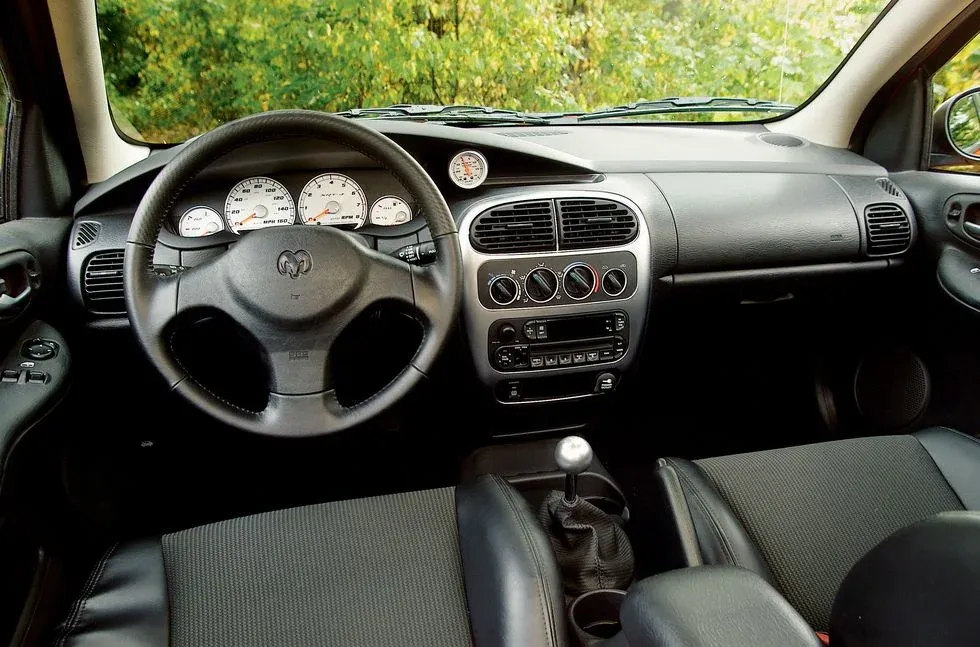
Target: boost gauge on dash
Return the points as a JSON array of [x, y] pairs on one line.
[[468, 169]]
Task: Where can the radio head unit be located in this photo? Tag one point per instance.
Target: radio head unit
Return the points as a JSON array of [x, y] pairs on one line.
[[556, 342]]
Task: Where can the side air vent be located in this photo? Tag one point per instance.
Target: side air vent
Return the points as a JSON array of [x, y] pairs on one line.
[[585, 223], [516, 227], [888, 228], [86, 234], [102, 283], [889, 187]]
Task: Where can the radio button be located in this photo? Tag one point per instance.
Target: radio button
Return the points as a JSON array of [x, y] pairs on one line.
[[541, 330], [565, 359], [537, 361], [578, 358], [530, 330], [605, 354], [551, 360], [620, 323], [592, 356]]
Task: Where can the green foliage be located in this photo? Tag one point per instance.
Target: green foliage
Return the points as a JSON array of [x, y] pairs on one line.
[[175, 68]]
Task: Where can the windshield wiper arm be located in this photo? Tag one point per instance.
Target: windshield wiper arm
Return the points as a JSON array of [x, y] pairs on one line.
[[456, 114], [674, 105]]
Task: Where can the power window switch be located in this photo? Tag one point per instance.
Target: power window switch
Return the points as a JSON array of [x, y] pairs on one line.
[[9, 376], [36, 377]]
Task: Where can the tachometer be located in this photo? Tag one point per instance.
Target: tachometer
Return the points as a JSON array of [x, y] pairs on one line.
[[259, 202], [390, 210], [200, 221], [333, 199], [468, 169]]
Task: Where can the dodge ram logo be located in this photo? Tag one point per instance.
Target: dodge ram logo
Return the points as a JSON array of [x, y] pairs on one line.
[[294, 264]]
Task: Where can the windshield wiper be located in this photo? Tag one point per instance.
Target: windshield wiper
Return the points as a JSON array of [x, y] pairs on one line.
[[674, 105], [454, 114]]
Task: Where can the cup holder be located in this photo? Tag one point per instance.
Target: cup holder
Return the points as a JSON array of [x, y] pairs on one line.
[[594, 615]]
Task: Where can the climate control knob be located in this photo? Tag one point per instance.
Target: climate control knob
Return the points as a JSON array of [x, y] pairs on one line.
[[541, 285], [504, 290], [579, 281], [614, 282]]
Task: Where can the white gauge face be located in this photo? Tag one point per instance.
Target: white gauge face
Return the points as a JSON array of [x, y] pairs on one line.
[[259, 202], [390, 210], [468, 169], [333, 199], [200, 221]]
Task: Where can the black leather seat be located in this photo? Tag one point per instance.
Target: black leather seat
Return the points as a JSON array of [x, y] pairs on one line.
[[439, 568], [801, 517]]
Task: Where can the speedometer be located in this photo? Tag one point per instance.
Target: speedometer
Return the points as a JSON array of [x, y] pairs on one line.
[[333, 199], [259, 202]]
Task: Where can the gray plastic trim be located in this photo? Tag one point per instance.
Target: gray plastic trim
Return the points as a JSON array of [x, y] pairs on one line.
[[478, 318]]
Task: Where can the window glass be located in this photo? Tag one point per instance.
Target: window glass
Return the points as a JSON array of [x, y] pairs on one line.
[[177, 68]]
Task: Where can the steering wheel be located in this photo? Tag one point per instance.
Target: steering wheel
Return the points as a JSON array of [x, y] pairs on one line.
[[295, 288]]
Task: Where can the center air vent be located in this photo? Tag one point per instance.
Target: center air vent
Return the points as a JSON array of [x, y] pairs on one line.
[[516, 227], [585, 223], [888, 228], [102, 283]]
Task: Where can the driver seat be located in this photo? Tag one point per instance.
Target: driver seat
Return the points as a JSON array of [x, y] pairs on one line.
[[436, 568]]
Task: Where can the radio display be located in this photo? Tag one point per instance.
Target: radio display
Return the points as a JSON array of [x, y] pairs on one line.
[[571, 328]]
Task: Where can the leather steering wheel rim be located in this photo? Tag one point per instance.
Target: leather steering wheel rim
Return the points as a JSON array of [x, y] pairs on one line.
[[294, 315]]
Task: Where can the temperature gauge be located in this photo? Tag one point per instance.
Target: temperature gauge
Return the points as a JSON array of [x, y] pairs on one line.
[[468, 169], [200, 221], [390, 210]]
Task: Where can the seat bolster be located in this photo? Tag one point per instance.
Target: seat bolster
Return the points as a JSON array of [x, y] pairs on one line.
[[124, 601], [721, 537], [958, 458], [513, 588]]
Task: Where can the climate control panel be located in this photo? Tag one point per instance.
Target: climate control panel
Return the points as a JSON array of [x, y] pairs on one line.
[[557, 280]]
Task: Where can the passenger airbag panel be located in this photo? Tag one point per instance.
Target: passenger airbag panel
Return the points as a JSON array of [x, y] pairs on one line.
[[745, 220]]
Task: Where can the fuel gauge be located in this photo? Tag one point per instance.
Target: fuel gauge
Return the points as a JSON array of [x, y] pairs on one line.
[[200, 221], [390, 210]]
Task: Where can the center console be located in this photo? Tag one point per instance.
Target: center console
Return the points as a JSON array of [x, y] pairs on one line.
[[556, 292]]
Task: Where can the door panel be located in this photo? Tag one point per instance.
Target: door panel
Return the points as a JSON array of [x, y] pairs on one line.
[[947, 206]]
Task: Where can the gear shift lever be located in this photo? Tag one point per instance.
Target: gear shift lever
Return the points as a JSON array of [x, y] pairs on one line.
[[592, 550], [573, 455]]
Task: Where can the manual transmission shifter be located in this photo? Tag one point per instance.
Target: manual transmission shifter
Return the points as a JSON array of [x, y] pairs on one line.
[[573, 455], [592, 549]]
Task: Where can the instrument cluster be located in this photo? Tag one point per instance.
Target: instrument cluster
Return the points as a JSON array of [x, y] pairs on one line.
[[328, 199]]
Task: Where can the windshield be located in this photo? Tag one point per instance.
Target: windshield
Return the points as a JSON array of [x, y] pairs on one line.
[[177, 68]]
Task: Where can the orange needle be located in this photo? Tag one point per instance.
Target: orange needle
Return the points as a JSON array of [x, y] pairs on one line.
[[247, 218], [466, 167], [321, 214]]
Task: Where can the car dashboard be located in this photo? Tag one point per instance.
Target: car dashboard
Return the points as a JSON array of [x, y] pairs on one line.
[[571, 236]]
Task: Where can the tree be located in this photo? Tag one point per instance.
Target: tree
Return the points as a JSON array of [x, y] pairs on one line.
[[175, 68]]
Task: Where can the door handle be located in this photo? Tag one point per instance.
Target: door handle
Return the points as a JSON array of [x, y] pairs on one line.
[[972, 229]]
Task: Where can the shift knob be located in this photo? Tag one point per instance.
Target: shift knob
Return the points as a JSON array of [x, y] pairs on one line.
[[573, 455]]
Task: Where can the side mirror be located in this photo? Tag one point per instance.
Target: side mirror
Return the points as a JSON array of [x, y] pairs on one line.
[[956, 129]]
